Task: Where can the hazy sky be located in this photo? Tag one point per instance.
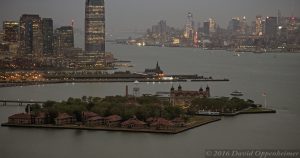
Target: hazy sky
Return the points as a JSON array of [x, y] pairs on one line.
[[125, 16]]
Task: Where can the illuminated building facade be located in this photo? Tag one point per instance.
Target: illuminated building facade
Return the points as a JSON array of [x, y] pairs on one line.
[[258, 26], [95, 26], [47, 30], [11, 31], [31, 39], [212, 25], [64, 38], [189, 27]]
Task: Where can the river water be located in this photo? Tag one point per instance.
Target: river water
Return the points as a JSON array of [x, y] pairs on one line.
[[275, 74]]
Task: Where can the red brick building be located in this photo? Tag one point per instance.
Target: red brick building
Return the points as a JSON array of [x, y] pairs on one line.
[[21, 118], [133, 123], [63, 119]]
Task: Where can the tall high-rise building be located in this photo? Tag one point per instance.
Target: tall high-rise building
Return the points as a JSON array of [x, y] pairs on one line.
[[212, 25], [11, 31], [234, 25], [31, 39], [189, 27], [206, 27], [47, 30], [258, 25], [63, 39], [271, 26], [94, 26]]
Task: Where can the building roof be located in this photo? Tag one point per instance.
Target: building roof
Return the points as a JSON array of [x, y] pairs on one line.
[[41, 115], [189, 93], [133, 121], [95, 118], [162, 122], [63, 116], [113, 118], [20, 116], [89, 114]]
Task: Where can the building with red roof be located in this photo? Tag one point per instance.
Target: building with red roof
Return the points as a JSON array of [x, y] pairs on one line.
[[63, 119], [21, 118], [133, 123]]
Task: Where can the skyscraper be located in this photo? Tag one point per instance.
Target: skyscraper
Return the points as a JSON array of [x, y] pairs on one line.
[[64, 38], [258, 25], [94, 26], [271, 27], [11, 31], [189, 27], [47, 30], [212, 25], [31, 40], [206, 27]]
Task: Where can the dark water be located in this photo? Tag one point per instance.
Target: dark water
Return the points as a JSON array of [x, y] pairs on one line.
[[276, 74]]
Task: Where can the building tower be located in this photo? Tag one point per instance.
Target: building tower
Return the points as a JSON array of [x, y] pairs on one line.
[[258, 26], [189, 27], [212, 25], [63, 39], [11, 31], [94, 26], [31, 39], [47, 30]]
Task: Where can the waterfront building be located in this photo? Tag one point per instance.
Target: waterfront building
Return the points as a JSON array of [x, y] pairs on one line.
[[63, 39], [86, 115], [133, 123], [181, 97], [258, 26], [47, 30], [41, 118], [63, 119], [112, 120], [95, 121], [94, 26], [21, 118], [11, 31], [271, 27], [31, 40], [156, 71]]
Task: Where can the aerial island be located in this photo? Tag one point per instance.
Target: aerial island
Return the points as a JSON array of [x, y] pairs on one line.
[[180, 111]]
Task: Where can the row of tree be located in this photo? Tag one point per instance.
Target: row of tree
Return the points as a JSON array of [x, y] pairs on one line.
[[223, 104], [142, 107]]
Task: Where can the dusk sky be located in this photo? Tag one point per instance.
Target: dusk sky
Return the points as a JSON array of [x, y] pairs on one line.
[[126, 16]]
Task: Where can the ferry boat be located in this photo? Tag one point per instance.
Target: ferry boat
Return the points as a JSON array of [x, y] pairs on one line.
[[236, 93], [208, 113]]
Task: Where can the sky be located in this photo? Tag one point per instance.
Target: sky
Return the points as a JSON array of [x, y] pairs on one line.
[[124, 17]]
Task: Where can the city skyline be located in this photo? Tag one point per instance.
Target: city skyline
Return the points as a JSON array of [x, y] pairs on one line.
[[141, 17]]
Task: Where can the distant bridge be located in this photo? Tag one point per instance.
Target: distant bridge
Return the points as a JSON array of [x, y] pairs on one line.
[[20, 102]]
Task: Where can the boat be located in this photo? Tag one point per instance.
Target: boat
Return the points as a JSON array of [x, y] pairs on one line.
[[237, 93], [208, 113]]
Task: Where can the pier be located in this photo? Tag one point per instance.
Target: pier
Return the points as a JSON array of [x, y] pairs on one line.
[[19, 102]]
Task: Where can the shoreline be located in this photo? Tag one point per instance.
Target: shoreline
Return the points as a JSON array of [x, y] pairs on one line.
[[246, 111], [30, 83], [119, 129]]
